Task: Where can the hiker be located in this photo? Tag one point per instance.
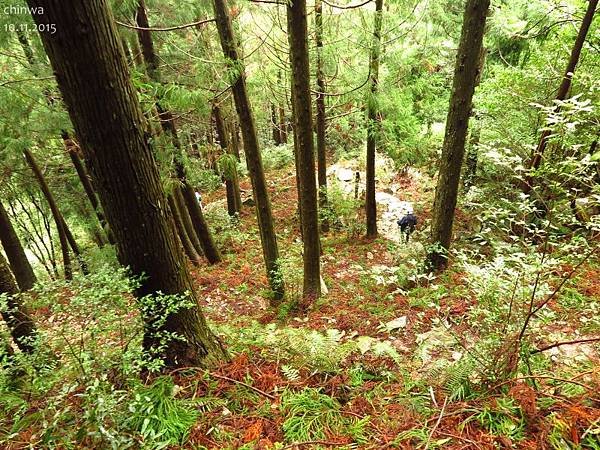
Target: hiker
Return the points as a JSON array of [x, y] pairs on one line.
[[407, 224]]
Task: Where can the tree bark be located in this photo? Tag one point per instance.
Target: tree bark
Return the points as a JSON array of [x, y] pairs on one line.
[[232, 186], [275, 125], [305, 170], [563, 90], [21, 326], [209, 248], [14, 251], [373, 123], [73, 151], [321, 117], [58, 220], [251, 148], [146, 42], [186, 243], [457, 122], [93, 77], [187, 220]]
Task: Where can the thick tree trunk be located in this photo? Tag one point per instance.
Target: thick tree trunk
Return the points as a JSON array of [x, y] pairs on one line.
[[186, 243], [20, 323], [373, 123], [251, 148], [73, 151], [58, 220], [93, 77], [463, 87], [305, 170], [321, 118], [563, 90], [232, 186], [14, 251]]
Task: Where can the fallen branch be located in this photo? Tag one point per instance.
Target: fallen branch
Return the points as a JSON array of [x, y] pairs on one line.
[[177, 27], [559, 344], [223, 377]]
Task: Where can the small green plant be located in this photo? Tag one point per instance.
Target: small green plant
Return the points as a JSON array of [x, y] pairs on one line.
[[160, 419]]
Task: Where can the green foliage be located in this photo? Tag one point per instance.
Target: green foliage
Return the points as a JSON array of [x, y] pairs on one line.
[[278, 157], [311, 415], [159, 418]]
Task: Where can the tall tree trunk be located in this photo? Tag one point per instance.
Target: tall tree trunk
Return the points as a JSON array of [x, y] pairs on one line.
[[321, 118], [232, 186], [93, 77], [73, 151], [187, 220], [74, 247], [167, 123], [299, 59], [373, 123], [281, 113], [563, 90], [296, 161], [58, 220], [186, 243], [146, 42], [472, 158], [235, 139], [14, 251], [209, 248], [20, 323], [457, 122], [251, 148], [275, 125]]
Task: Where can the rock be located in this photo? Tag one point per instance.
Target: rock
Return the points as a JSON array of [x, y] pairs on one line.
[[397, 323], [344, 174], [324, 290]]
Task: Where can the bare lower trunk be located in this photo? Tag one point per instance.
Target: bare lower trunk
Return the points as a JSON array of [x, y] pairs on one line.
[[16, 316], [73, 151], [305, 170], [58, 220], [187, 220], [234, 199], [14, 251], [321, 118], [465, 79], [188, 247], [251, 148], [373, 124]]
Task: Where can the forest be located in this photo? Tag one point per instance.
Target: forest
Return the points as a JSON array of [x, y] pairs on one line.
[[300, 224]]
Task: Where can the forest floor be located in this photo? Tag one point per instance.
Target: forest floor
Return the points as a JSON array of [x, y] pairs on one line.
[[398, 390], [387, 358]]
